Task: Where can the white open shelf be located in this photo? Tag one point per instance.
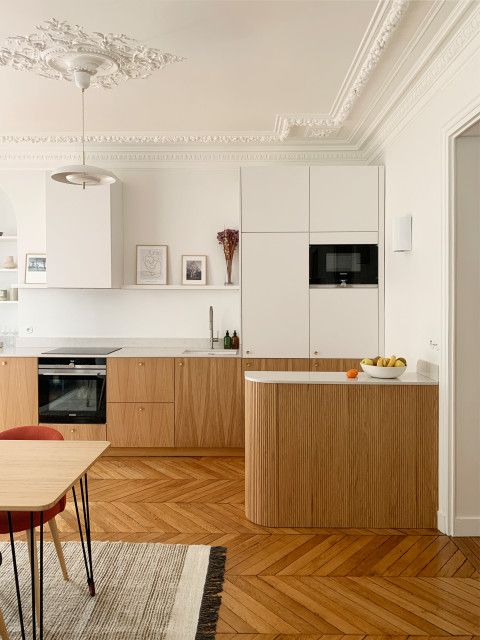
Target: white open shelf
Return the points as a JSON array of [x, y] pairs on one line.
[[189, 287], [8, 238], [30, 286], [9, 270], [8, 301]]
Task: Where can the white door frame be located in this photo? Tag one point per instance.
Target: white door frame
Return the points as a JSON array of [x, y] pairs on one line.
[[447, 506]]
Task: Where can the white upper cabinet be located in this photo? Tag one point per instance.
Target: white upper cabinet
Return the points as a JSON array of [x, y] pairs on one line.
[[344, 198], [275, 295], [84, 236], [344, 323], [275, 199]]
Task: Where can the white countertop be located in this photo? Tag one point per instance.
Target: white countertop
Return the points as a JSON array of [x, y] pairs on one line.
[[123, 352], [324, 377]]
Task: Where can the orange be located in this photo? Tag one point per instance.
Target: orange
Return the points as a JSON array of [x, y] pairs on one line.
[[352, 373]]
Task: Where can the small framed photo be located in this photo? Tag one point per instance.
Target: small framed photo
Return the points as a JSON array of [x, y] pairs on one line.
[[151, 264], [35, 268], [194, 269]]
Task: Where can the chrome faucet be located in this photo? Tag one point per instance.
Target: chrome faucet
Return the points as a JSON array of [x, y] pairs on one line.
[[212, 339]]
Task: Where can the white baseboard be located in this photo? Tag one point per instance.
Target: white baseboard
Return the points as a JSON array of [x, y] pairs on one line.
[[442, 522], [467, 526]]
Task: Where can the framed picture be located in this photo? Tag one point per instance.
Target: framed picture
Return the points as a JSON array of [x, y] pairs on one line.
[[35, 268], [151, 264], [194, 269]]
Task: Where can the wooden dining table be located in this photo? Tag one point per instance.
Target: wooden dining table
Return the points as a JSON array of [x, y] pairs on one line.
[[34, 476]]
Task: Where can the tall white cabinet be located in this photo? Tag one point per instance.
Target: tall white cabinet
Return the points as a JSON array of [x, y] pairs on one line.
[[275, 295], [275, 213], [284, 209]]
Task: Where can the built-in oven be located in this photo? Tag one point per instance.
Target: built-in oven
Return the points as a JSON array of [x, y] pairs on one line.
[[343, 265], [72, 390]]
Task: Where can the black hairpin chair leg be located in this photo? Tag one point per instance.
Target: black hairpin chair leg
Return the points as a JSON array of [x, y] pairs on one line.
[[85, 540]]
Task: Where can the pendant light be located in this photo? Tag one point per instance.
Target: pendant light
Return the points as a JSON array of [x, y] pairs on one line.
[[83, 175]]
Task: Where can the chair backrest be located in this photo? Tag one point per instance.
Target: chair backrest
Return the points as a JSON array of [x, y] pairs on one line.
[[31, 433]]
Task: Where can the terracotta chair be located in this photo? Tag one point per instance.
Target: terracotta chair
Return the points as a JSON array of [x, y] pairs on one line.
[[21, 520]]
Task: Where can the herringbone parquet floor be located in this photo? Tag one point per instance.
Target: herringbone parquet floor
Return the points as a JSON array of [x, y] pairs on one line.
[[290, 584]]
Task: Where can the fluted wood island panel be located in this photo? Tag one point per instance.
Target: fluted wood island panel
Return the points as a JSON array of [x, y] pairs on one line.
[[341, 455]]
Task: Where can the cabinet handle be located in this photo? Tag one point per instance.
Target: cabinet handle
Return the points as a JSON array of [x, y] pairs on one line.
[[315, 353], [247, 352], [248, 365], [140, 364], [316, 365], [4, 364], [72, 431], [141, 409], [180, 364]]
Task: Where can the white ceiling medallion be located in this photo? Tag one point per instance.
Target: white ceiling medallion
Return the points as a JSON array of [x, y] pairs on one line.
[[59, 50]]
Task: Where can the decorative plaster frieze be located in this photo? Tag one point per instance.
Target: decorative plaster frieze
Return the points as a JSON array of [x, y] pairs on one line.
[[48, 51], [44, 158], [411, 101]]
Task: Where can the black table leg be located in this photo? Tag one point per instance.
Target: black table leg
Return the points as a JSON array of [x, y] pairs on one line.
[[32, 574], [87, 541], [15, 572]]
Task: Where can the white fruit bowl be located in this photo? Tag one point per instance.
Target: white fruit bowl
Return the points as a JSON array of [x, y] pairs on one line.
[[383, 372]]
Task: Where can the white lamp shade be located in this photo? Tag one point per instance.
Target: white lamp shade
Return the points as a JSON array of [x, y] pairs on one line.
[[402, 233], [83, 174]]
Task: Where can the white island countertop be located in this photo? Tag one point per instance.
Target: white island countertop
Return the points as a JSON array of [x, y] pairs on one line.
[[325, 377]]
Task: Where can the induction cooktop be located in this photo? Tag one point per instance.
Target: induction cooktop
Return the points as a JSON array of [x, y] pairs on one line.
[[82, 351]]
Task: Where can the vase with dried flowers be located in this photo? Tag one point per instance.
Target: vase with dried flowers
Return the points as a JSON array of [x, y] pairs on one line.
[[228, 238]]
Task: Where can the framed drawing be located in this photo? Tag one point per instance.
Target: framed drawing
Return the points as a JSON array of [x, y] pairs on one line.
[[151, 264], [35, 268], [194, 269]]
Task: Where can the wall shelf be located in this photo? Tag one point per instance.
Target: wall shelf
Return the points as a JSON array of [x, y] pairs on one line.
[[9, 270], [30, 286], [8, 238], [8, 301], [181, 287]]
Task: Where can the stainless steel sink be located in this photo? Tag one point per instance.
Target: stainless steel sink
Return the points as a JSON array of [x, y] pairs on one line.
[[211, 352]]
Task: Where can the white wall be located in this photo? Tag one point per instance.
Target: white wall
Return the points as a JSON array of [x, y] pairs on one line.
[[181, 207], [415, 183]]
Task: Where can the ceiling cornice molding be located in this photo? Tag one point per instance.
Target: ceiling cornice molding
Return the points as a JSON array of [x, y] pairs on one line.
[[316, 128], [414, 99], [39, 157]]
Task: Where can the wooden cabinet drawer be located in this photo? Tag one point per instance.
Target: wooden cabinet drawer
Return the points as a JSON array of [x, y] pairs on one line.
[[80, 431], [140, 380], [18, 392], [136, 424], [276, 364]]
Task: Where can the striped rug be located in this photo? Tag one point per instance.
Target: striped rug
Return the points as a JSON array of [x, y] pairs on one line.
[[144, 591]]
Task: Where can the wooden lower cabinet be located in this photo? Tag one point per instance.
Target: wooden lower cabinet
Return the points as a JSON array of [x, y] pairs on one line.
[[140, 379], [209, 402], [135, 424], [18, 392], [334, 364], [276, 364], [80, 431]]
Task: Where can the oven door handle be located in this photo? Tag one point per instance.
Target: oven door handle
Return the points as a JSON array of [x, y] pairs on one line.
[[72, 373]]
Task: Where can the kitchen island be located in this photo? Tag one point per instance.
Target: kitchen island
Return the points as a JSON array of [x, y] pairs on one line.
[[326, 451]]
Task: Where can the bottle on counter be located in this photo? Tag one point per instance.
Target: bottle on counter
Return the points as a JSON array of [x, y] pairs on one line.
[[235, 341], [227, 341]]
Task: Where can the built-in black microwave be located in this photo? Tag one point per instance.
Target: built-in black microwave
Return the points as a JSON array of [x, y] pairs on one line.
[[343, 264]]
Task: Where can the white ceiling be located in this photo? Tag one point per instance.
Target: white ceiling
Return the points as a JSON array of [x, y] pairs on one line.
[[247, 62]]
